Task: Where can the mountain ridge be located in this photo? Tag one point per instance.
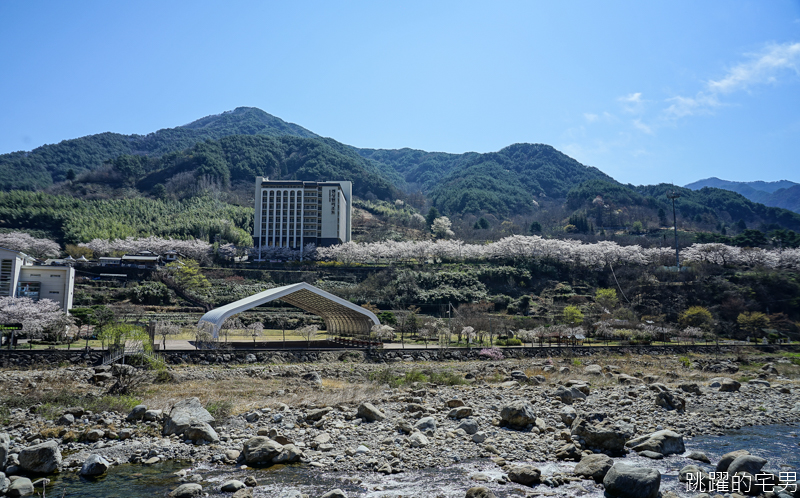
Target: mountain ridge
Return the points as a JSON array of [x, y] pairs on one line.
[[783, 194]]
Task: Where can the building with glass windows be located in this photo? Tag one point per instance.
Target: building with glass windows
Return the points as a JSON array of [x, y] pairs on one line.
[[20, 276], [292, 214]]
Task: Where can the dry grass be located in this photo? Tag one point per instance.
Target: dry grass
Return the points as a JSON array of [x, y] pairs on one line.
[[245, 394]]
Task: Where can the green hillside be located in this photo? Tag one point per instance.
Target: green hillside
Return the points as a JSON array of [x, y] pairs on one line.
[[47, 164], [782, 194]]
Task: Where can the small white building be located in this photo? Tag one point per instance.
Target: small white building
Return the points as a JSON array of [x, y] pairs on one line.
[[20, 276]]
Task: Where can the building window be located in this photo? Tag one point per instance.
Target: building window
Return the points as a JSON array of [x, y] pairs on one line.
[[29, 289], [5, 277], [53, 292], [55, 276]]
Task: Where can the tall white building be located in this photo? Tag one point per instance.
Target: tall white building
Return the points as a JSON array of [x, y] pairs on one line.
[[292, 213]]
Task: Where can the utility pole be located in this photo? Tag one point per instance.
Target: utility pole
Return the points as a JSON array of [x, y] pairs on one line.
[[674, 195]]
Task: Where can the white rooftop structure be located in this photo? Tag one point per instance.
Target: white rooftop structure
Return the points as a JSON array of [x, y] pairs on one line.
[[341, 317]]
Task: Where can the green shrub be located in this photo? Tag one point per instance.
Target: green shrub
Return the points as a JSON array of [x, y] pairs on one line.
[[220, 409]]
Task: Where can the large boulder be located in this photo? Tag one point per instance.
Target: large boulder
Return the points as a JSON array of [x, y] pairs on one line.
[[4, 483], [626, 481], [44, 458], [746, 463], [479, 492], [369, 413], [527, 475], [594, 466], [727, 458], [21, 486], [95, 465], [188, 490], [670, 401], [260, 450], [568, 395], [518, 414], [184, 414], [426, 424], [5, 443], [232, 486], [665, 442], [137, 413], [200, 432], [602, 435]]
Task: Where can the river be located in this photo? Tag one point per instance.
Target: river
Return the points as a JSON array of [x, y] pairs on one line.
[[778, 444]]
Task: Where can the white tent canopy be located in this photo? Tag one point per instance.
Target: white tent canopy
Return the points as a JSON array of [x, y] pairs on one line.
[[341, 317]]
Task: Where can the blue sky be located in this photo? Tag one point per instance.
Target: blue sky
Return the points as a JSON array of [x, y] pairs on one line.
[[648, 92]]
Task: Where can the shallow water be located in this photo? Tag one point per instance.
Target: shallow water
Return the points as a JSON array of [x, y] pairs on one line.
[[778, 444]]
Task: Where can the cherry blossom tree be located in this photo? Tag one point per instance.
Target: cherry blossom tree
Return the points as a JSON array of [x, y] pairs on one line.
[[39, 319], [22, 242], [383, 332]]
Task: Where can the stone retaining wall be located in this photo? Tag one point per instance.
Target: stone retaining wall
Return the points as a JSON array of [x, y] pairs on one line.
[[43, 358]]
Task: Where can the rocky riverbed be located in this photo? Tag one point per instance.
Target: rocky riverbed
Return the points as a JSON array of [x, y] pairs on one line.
[[337, 417]]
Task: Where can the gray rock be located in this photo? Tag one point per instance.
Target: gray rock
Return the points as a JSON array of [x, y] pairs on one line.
[[4, 483], [66, 419], [593, 370], [699, 456], [152, 415], [42, 458], [425, 424], [568, 452], [289, 454], [94, 435], [199, 432], [479, 492], [727, 458], [369, 413], [21, 486], [5, 443], [746, 463], [626, 481], [568, 395], [526, 475], [232, 486], [188, 490], [250, 482], [670, 401], [335, 493], [594, 466], [518, 414], [315, 415], [184, 414], [75, 411], [290, 493], [469, 425], [729, 386], [568, 415], [261, 450], [418, 440], [314, 377], [693, 473], [652, 455], [602, 435], [137, 413], [665, 442], [95, 465], [690, 387], [460, 412]]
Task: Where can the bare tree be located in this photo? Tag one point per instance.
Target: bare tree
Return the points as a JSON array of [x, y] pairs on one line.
[[309, 332], [165, 328]]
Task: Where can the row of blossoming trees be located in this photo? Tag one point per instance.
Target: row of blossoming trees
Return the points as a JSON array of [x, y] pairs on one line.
[[519, 248]]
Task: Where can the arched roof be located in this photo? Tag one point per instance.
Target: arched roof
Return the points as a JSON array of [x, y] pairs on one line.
[[341, 317]]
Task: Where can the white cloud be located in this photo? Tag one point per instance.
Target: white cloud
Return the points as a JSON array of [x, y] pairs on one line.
[[763, 67], [632, 97], [688, 106], [641, 126], [591, 118], [632, 103]]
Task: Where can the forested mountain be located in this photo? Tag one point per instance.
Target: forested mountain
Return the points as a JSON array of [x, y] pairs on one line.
[[47, 164], [783, 194], [709, 206], [503, 182], [221, 155]]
